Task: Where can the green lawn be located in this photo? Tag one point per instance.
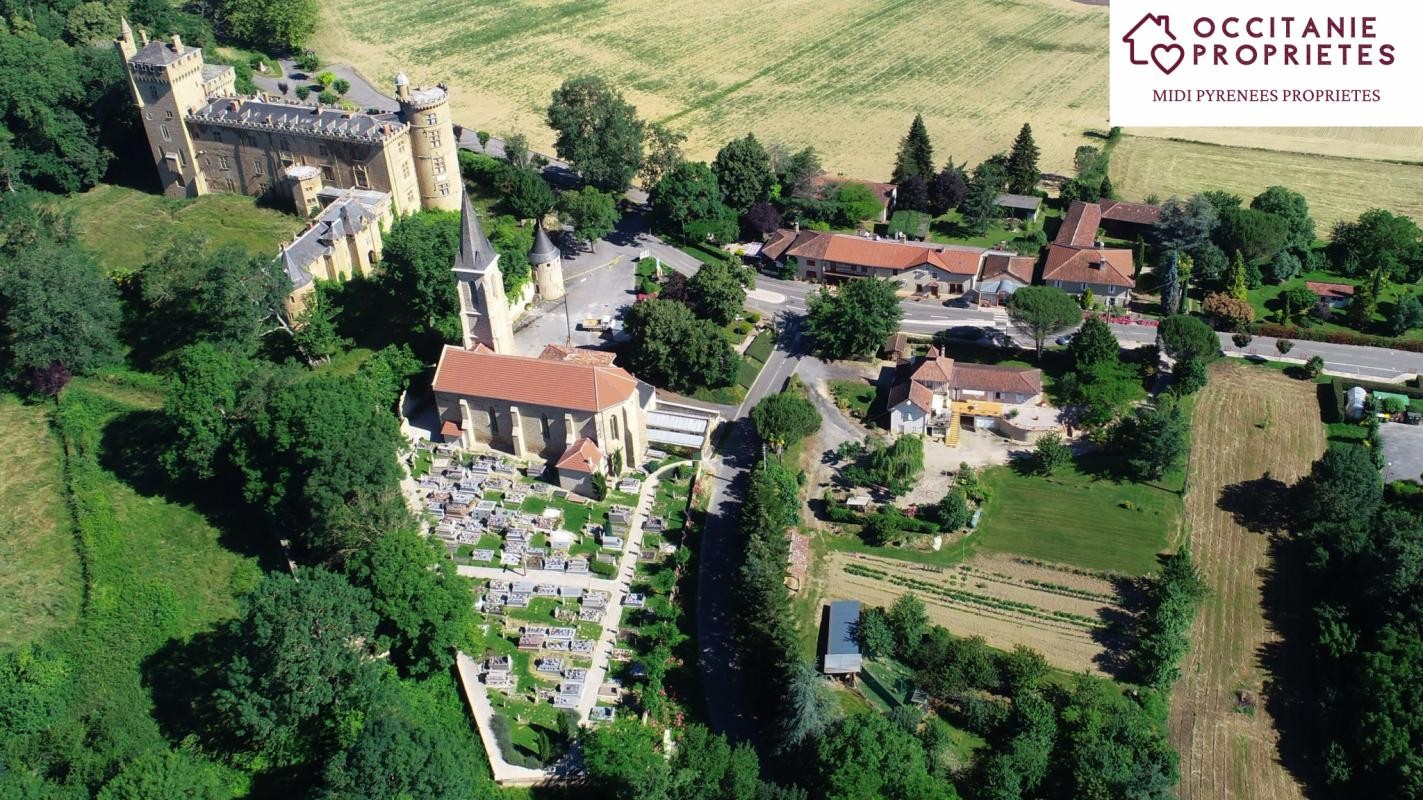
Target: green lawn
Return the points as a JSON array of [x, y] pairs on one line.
[[1076, 518], [125, 228], [1265, 301], [855, 397], [41, 586]]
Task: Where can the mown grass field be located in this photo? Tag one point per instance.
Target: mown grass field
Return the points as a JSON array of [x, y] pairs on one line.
[[1079, 519], [1337, 188], [41, 586], [125, 228], [1255, 431], [842, 75]]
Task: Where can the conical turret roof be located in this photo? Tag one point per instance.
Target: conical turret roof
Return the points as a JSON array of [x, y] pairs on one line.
[[476, 253], [543, 250]]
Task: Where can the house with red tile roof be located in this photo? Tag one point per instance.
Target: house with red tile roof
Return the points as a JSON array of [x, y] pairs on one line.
[[1003, 274], [1126, 221], [921, 399], [1077, 260], [921, 268], [1335, 295]]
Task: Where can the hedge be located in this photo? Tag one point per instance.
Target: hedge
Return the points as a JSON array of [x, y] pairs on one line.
[[1341, 386], [1336, 337]]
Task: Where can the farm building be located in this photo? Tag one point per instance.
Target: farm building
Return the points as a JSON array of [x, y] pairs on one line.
[[1020, 206], [1078, 261], [842, 651], [920, 268], [1336, 295], [1128, 220]]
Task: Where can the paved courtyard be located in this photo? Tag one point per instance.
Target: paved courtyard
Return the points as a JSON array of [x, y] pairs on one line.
[[1402, 451]]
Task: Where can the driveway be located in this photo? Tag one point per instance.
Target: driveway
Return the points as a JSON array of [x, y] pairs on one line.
[[1402, 451]]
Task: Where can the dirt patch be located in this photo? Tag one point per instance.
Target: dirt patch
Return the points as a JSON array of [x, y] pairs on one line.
[[1069, 619], [1248, 423]]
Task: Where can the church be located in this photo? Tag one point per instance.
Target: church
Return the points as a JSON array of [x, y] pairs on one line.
[[205, 138], [570, 408]]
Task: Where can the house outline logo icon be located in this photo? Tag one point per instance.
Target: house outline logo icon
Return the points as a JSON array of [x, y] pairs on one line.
[[1166, 57]]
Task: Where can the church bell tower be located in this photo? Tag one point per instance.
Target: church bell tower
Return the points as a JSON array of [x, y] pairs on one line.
[[484, 308]]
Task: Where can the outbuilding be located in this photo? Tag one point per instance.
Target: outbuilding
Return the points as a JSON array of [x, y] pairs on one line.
[[842, 651]]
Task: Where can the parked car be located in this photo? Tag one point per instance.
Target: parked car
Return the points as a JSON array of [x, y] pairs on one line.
[[1065, 340]]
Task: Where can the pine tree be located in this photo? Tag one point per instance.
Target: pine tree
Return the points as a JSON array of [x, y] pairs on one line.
[[1170, 285], [916, 153], [1108, 190], [1235, 284], [1023, 172]]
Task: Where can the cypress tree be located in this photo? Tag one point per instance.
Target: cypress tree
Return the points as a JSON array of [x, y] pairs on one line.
[[1023, 172], [1235, 283], [1171, 285], [916, 153]]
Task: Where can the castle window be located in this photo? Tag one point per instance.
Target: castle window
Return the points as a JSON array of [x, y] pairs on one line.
[[434, 137], [443, 189], [430, 119], [493, 422], [405, 169], [328, 172], [544, 426], [167, 114], [153, 92], [257, 167], [148, 115], [182, 158], [362, 180], [439, 162], [163, 129], [231, 185], [323, 150], [613, 420], [286, 159], [222, 163]]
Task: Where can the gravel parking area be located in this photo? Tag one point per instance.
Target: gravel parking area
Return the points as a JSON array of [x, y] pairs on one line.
[[1402, 451]]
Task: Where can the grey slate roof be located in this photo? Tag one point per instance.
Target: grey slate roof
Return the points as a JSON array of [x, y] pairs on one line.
[[476, 253], [345, 216], [1026, 202], [543, 250], [158, 53], [311, 120]]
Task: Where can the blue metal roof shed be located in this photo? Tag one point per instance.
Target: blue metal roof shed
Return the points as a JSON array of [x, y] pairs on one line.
[[842, 652]]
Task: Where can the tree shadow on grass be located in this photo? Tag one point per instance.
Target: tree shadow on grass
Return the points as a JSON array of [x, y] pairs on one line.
[[131, 448], [1260, 505], [1287, 662]]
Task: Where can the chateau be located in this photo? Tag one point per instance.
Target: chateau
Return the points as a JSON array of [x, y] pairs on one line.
[[205, 138]]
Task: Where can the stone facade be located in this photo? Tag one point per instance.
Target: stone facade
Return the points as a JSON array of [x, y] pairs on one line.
[[205, 138]]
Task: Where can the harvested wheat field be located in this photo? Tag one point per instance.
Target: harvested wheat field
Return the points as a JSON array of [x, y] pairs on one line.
[[1054, 610], [842, 75], [1337, 188], [1248, 422]]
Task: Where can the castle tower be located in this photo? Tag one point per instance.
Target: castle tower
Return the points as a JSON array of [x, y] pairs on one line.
[[547, 262], [432, 143], [484, 308], [166, 79], [304, 184]]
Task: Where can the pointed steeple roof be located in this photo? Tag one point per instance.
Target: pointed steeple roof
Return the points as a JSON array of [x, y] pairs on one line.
[[543, 250], [476, 253], [124, 29]]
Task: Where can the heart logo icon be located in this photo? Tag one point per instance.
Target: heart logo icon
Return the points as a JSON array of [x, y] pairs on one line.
[[1168, 57]]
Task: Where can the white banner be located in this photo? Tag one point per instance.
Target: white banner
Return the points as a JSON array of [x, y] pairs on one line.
[[1262, 63]]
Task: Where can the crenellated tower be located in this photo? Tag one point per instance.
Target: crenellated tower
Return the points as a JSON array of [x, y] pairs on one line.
[[432, 143], [167, 82]]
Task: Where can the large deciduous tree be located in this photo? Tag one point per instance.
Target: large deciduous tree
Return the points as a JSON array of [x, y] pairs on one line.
[[785, 417], [663, 148], [1292, 207], [743, 171], [300, 671], [599, 132], [687, 194], [593, 214], [397, 757], [671, 347], [915, 158], [1023, 174], [794, 170], [624, 761], [270, 24], [856, 203], [1155, 438], [865, 755], [1258, 235], [1041, 312], [58, 309], [419, 252], [527, 193], [423, 603], [946, 190], [718, 291], [854, 320], [167, 773], [1378, 239], [1093, 343]]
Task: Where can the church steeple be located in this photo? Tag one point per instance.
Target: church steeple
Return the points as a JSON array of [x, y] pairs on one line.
[[484, 309]]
